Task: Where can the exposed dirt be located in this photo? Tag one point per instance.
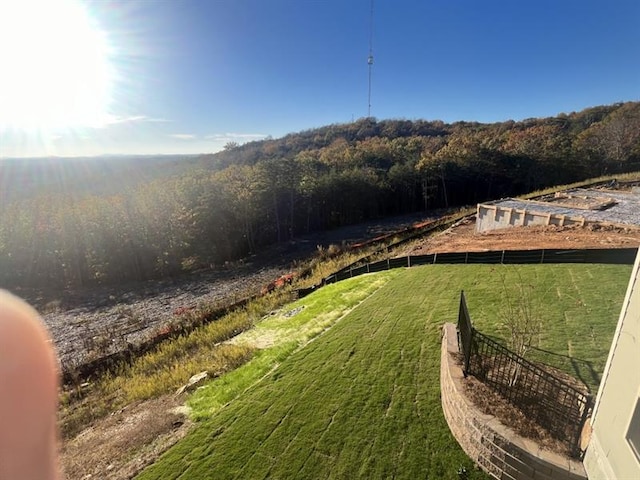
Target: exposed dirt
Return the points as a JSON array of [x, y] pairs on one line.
[[93, 322], [121, 445], [463, 238], [83, 322]]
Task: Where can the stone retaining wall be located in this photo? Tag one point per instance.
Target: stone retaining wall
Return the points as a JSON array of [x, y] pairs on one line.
[[497, 449]]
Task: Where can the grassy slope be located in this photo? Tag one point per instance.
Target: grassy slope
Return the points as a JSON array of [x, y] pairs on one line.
[[362, 401], [280, 334]]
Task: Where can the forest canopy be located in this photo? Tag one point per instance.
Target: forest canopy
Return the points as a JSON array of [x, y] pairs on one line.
[[71, 222]]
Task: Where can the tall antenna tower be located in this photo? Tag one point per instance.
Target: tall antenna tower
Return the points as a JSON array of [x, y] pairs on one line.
[[370, 58]]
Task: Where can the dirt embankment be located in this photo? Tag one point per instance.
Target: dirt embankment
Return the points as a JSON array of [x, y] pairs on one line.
[[124, 443], [89, 323], [463, 238], [94, 322]]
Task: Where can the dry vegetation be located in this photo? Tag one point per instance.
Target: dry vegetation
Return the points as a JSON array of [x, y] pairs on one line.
[[491, 403], [96, 412], [122, 444]]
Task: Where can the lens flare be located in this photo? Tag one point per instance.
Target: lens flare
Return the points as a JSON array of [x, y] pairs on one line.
[[55, 64]]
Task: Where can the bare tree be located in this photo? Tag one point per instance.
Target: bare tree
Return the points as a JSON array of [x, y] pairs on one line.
[[519, 315]]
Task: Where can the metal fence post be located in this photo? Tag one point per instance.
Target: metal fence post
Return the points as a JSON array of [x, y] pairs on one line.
[[465, 330]]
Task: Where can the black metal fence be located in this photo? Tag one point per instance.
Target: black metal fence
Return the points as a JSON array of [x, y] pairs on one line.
[[560, 408], [625, 256], [465, 332]]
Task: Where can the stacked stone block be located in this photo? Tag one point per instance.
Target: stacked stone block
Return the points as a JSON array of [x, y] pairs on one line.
[[497, 449]]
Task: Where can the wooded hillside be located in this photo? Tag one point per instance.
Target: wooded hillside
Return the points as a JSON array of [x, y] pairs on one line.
[[147, 220]]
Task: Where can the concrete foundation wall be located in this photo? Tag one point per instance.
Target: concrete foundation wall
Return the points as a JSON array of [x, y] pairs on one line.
[[622, 209], [495, 217], [498, 450]]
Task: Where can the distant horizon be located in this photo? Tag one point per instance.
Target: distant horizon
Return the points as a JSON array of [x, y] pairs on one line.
[[104, 155], [294, 132]]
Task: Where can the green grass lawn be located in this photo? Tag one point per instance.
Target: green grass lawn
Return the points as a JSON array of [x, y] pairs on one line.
[[282, 333], [363, 399]]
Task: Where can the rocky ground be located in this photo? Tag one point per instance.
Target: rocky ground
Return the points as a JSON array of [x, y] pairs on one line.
[[89, 323], [93, 322]]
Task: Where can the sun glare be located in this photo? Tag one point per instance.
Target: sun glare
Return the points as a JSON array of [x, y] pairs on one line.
[[54, 64]]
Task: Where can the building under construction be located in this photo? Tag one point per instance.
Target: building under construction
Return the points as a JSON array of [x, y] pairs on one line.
[[577, 207]]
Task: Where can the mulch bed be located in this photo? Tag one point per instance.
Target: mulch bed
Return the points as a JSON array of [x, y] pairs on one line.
[[491, 403]]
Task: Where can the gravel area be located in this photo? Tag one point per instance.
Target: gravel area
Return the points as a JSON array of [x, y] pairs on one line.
[[90, 324], [94, 322], [626, 211]]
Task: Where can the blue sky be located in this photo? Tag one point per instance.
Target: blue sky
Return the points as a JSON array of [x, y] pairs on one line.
[[187, 76]]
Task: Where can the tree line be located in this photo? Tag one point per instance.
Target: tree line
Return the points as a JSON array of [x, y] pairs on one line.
[[215, 208]]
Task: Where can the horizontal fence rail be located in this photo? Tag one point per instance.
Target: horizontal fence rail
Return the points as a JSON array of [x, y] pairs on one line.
[[560, 408], [618, 256]]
